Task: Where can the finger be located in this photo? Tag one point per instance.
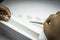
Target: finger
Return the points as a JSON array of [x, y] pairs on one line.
[[6, 10]]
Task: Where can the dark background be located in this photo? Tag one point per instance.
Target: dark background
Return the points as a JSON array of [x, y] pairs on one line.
[[1, 1]]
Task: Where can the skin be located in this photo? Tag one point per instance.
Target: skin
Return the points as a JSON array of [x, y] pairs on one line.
[[5, 13], [52, 27]]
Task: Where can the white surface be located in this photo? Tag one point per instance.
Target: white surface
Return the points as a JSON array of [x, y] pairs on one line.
[[25, 11], [13, 24]]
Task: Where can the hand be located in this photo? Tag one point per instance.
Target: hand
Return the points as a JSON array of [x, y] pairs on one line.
[[5, 13]]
